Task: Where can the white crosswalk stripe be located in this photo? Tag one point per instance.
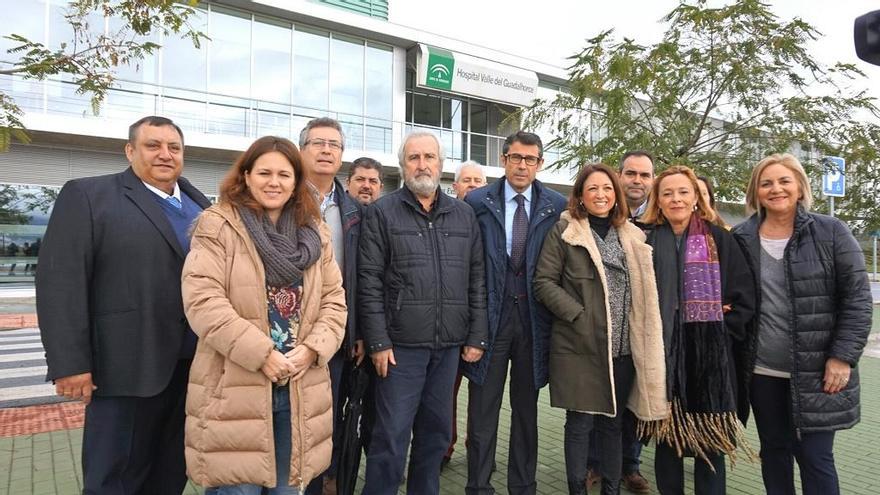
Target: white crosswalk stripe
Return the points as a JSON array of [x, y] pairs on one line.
[[23, 369]]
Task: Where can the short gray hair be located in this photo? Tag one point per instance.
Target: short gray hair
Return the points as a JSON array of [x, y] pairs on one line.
[[419, 134], [469, 164], [320, 122]]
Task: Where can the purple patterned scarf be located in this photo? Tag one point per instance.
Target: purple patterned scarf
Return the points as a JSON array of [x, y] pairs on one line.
[[701, 287], [699, 375]]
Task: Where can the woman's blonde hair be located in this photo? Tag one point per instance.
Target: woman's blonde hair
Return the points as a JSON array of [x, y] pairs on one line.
[[789, 161], [653, 215]]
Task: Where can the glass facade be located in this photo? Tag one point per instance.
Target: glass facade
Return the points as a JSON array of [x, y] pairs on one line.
[[255, 76], [470, 129], [24, 214]]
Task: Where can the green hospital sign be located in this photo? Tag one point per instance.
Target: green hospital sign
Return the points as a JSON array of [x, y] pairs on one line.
[[468, 75], [441, 65]]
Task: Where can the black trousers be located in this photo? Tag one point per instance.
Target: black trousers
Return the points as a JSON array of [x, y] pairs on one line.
[[608, 431], [513, 345], [780, 445], [336, 365], [632, 446], [669, 468], [134, 445]]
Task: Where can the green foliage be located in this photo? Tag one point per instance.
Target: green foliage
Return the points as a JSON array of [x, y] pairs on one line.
[[723, 88], [9, 213], [93, 57]]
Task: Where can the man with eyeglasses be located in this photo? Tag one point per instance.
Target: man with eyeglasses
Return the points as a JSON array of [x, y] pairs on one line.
[[514, 215], [321, 145], [365, 180]]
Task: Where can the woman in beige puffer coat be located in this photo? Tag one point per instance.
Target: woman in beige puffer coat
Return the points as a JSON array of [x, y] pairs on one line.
[[264, 294]]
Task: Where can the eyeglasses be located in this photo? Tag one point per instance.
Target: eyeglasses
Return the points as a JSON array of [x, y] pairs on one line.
[[516, 159], [320, 143]]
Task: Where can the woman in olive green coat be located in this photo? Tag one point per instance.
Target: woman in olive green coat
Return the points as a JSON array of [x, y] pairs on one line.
[[595, 274]]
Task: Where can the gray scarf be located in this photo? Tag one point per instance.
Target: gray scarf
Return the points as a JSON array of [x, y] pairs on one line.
[[617, 274], [286, 250]]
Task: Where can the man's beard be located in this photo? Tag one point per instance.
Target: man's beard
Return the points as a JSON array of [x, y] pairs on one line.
[[422, 185]]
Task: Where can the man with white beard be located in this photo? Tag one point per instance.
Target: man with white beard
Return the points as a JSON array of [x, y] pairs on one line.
[[421, 304]]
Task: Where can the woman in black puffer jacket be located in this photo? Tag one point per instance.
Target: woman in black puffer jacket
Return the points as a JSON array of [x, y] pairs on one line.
[[813, 319]]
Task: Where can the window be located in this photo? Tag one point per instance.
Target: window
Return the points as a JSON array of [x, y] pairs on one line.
[[26, 19], [379, 90], [272, 61], [24, 214], [183, 65], [63, 97], [311, 68]]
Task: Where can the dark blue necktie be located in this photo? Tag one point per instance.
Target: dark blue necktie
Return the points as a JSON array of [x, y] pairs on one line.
[[520, 232]]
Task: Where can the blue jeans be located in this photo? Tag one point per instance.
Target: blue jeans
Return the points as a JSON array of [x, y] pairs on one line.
[[413, 401], [283, 440], [780, 445]]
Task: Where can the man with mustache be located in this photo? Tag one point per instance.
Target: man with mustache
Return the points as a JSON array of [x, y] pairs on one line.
[[636, 177], [515, 214], [365, 180], [422, 304], [111, 313], [321, 144]]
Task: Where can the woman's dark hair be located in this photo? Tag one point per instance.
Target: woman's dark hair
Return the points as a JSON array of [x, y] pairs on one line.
[[234, 188], [709, 188], [619, 212]]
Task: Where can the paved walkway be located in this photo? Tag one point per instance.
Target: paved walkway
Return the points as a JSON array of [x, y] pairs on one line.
[[40, 445], [49, 462], [23, 369]]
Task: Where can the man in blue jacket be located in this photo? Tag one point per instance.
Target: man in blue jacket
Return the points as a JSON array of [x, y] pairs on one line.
[[514, 215]]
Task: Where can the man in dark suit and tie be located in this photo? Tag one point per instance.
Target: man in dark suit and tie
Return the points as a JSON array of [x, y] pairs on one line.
[[111, 316], [514, 215]]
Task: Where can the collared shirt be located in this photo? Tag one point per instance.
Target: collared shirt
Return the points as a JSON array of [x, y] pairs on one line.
[[164, 195], [510, 209], [635, 214], [332, 215], [328, 200]]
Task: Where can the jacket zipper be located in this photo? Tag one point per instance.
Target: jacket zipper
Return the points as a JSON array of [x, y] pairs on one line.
[[796, 403], [437, 300]]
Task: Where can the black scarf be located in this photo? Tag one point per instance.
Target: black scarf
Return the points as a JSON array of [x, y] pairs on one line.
[[699, 381]]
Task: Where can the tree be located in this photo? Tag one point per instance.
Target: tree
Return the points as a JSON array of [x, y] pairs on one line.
[[92, 56], [724, 87]]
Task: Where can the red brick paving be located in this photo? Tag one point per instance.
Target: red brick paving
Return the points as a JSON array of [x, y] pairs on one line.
[[16, 421], [13, 321]]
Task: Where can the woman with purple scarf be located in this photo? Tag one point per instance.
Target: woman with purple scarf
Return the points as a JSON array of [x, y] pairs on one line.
[[706, 295]]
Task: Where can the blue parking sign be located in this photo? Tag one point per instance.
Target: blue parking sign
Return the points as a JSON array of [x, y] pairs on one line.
[[834, 180]]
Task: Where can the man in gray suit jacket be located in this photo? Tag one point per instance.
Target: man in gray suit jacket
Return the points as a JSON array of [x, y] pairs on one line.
[[111, 316]]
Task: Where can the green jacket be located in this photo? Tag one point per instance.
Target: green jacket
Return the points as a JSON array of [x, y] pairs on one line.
[[570, 281]]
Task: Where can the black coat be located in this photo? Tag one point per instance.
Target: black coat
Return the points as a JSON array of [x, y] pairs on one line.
[[421, 276], [831, 298], [108, 285], [737, 290], [351, 212]]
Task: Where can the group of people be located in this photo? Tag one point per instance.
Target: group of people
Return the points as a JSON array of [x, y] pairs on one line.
[[211, 340]]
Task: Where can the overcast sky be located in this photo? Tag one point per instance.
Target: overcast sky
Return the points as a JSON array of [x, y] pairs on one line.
[[551, 30]]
